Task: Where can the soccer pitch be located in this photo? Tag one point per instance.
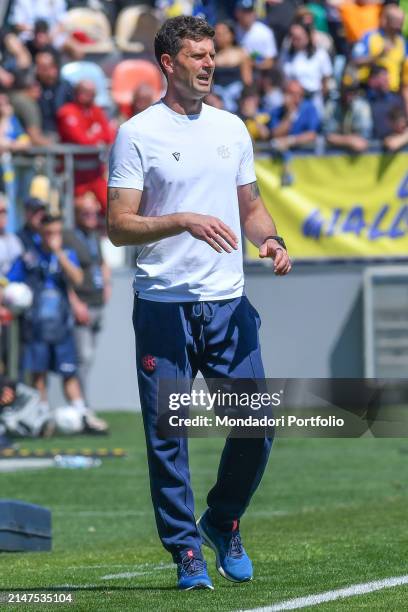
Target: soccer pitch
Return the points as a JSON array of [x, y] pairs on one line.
[[329, 514]]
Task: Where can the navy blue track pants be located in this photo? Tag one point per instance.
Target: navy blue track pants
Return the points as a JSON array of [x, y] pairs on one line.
[[220, 339]]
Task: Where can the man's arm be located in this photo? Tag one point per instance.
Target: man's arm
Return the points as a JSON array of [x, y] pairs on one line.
[[127, 227], [72, 272], [258, 225]]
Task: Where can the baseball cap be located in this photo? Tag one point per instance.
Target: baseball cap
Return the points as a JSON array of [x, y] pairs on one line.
[[245, 5], [35, 204]]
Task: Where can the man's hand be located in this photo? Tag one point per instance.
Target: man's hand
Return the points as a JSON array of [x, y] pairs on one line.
[[281, 262], [212, 231], [81, 312], [7, 397], [55, 243]]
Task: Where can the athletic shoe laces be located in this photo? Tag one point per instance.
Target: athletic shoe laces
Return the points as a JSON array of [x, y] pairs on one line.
[[191, 566], [236, 549]]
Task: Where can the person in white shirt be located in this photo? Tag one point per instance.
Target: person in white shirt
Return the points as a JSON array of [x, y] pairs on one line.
[[182, 184], [304, 62], [254, 36]]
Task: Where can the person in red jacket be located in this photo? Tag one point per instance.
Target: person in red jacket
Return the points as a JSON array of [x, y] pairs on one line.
[[82, 122]]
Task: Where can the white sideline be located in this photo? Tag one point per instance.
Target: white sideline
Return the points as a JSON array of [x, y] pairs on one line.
[[155, 568], [314, 600]]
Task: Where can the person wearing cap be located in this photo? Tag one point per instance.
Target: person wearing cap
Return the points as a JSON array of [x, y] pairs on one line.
[[254, 36], [29, 234], [347, 122]]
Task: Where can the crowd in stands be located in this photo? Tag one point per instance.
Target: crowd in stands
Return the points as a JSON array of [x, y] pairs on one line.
[[298, 72], [294, 71]]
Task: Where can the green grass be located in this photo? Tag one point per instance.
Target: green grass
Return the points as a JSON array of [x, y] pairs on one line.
[[329, 514]]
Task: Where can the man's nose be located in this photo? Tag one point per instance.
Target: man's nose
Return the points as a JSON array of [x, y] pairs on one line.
[[209, 61]]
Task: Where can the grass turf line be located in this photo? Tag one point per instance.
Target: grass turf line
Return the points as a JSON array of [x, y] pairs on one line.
[[328, 514]]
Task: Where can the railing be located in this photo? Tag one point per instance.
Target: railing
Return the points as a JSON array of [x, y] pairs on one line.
[[57, 162]]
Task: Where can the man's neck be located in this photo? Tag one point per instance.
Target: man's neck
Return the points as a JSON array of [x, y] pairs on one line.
[[181, 105]]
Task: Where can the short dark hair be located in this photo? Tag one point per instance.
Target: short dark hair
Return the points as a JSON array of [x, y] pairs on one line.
[[48, 219], [170, 36]]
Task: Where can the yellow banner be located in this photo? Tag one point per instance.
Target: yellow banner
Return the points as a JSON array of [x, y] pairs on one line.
[[339, 206]]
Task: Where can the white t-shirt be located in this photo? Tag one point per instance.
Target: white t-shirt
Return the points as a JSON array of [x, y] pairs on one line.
[[309, 71], [259, 41], [185, 163]]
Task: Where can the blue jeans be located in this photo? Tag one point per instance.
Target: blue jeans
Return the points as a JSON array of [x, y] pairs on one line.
[[174, 341]]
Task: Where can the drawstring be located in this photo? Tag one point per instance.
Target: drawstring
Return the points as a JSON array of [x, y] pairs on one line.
[[202, 313]]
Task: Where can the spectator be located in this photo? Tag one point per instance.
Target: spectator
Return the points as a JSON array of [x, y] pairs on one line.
[[347, 122], [82, 122], [398, 138], [233, 67], [249, 111], [29, 235], [47, 330], [382, 100], [88, 300], [10, 245], [359, 17], [271, 88], [213, 100], [279, 16], [305, 63], [143, 97], [55, 92], [41, 42], [255, 36], [296, 122], [24, 98], [26, 13], [14, 57], [12, 136], [385, 47], [321, 38]]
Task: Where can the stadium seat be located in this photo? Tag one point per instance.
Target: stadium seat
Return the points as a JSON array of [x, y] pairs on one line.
[[128, 75], [92, 28], [79, 71], [135, 30]]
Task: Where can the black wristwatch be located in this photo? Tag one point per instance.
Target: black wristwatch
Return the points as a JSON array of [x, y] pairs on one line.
[[278, 239]]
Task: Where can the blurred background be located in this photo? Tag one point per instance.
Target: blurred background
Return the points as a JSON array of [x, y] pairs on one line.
[[323, 89]]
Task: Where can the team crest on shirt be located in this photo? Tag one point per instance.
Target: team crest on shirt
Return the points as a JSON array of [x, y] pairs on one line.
[[149, 363], [224, 152]]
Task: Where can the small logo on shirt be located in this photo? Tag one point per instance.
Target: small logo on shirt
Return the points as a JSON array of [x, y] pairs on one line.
[[149, 363], [176, 156], [224, 152]]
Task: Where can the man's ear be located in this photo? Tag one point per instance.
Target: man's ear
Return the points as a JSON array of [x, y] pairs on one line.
[[167, 63]]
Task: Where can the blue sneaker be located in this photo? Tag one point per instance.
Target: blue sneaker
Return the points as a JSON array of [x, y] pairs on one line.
[[232, 562], [192, 573]]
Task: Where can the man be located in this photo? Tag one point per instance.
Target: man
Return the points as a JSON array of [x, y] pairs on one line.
[[48, 340], [82, 122], [172, 167], [29, 234], [88, 300], [54, 91], [24, 98], [384, 47], [347, 122], [382, 101], [255, 36], [296, 122]]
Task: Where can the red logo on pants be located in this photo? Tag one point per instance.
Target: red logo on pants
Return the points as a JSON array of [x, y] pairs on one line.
[[149, 363]]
